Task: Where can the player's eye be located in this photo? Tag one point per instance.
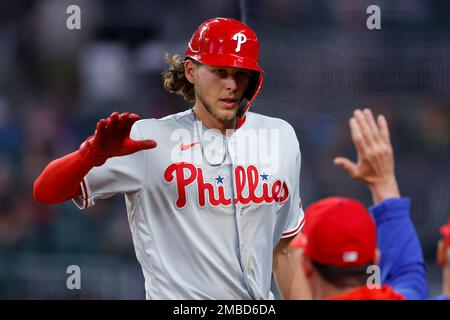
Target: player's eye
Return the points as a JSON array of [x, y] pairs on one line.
[[243, 74], [221, 72]]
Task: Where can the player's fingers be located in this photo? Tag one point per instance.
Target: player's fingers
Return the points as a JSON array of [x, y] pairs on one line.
[[138, 145], [122, 122], [357, 137], [374, 131], [100, 126], [347, 165], [132, 118], [100, 130], [364, 126], [127, 124], [123, 117], [112, 120], [384, 129]]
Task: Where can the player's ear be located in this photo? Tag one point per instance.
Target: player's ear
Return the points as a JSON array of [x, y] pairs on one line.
[[189, 70], [377, 256]]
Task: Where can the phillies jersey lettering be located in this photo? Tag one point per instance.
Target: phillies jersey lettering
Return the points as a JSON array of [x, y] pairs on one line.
[[206, 210], [245, 179]]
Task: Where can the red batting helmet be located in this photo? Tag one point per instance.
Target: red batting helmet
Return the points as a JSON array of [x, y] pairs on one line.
[[226, 42]]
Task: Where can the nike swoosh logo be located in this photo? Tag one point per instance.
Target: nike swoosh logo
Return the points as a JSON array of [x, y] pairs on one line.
[[184, 147]]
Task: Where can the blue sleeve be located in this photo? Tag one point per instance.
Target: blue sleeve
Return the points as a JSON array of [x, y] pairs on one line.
[[402, 264]]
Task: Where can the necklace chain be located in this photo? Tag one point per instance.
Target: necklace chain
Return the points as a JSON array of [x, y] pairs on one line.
[[196, 125]]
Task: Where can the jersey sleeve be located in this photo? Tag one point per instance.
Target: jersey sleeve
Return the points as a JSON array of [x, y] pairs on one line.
[[293, 206], [117, 175], [402, 263]]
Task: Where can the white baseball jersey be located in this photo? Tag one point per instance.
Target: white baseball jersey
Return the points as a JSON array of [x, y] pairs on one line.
[[205, 209]]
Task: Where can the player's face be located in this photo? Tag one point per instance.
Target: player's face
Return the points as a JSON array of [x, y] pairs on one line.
[[220, 90]]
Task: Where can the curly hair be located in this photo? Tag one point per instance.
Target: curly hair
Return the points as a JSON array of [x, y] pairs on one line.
[[175, 80]]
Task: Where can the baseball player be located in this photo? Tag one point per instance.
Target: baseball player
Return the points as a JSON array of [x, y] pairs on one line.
[[344, 241], [443, 260], [211, 214]]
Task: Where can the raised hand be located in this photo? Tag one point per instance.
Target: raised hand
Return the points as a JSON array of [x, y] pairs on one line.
[[112, 139], [375, 164]]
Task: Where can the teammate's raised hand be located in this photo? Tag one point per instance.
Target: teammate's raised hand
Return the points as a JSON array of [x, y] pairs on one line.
[[112, 139], [375, 164]]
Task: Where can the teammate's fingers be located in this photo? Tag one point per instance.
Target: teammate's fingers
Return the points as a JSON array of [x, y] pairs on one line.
[[384, 129], [347, 165], [375, 132], [358, 140], [364, 126]]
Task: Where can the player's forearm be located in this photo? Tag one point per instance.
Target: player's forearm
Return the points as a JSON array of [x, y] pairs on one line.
[[288, 275], [60, 180], [446, 281]]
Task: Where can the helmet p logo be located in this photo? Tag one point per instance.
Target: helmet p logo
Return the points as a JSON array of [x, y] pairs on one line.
[[241, 39]]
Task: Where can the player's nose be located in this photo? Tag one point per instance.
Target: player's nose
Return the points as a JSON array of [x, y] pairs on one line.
[[231, 83]]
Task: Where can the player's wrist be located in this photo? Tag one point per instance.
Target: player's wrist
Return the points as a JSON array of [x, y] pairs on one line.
[[89, 156], [386, 189]]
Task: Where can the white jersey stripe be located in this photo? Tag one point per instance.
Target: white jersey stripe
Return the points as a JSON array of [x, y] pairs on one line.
[[290, 233], [85, 194]]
